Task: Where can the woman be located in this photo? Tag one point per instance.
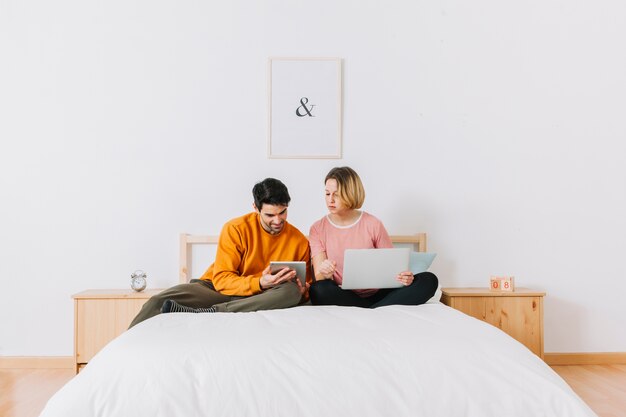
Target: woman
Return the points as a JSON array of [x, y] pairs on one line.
[[347, 227]]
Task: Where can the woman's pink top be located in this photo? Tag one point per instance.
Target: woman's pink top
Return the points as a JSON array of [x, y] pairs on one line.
[[366, 233]]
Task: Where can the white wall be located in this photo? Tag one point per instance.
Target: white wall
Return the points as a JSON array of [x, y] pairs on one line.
[[495, 126]]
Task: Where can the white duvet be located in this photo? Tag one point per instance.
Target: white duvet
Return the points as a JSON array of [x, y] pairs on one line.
[[427, 360]]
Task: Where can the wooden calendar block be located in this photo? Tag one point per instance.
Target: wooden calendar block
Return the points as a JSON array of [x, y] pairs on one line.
[[502, 283]]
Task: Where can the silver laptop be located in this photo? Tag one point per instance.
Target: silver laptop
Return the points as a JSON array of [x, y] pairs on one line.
[[373, 268]]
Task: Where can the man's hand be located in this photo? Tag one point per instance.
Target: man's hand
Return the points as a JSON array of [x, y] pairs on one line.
[[302, 288], [268, 280]]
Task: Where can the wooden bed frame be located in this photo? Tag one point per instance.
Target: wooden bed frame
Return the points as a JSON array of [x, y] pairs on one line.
[[417, 241]]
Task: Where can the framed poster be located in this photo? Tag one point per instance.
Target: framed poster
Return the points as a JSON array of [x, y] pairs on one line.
[[305, 108]]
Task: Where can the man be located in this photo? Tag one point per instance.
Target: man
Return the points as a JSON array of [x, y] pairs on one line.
[[240, 279]]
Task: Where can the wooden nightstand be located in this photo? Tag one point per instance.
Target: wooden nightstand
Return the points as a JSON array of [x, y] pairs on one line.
[[518, 313], [102, 315]]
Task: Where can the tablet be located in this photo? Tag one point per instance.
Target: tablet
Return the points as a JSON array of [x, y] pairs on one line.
[[298, 266]]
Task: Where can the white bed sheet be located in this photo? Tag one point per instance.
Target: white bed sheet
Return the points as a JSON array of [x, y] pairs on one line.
[[428, 360]]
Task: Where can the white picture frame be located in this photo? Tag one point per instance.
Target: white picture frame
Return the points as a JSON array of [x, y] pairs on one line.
[[305, 108]]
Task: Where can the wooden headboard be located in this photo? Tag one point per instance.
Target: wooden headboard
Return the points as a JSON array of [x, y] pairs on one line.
[[417, 241]]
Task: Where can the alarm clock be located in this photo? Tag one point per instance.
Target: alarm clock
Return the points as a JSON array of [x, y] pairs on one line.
[[138, 280]]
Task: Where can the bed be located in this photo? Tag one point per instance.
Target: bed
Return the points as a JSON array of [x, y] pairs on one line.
[[427, 360]]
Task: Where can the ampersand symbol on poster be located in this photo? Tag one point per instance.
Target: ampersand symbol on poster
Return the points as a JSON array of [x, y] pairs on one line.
[[308, 110]]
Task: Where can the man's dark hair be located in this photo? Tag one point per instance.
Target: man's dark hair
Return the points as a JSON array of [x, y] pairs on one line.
[[270, 191]]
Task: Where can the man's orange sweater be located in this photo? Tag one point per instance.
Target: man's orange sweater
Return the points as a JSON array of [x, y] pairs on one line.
[[245, 249]]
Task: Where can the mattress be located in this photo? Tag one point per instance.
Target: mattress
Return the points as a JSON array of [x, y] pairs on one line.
[[427, 360]]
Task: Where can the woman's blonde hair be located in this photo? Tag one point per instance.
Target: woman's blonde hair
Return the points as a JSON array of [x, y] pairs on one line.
[[349, 185]]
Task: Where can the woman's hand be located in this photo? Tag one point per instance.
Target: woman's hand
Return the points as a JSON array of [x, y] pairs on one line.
[[327, 268], [405, 278], [323, 268]]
